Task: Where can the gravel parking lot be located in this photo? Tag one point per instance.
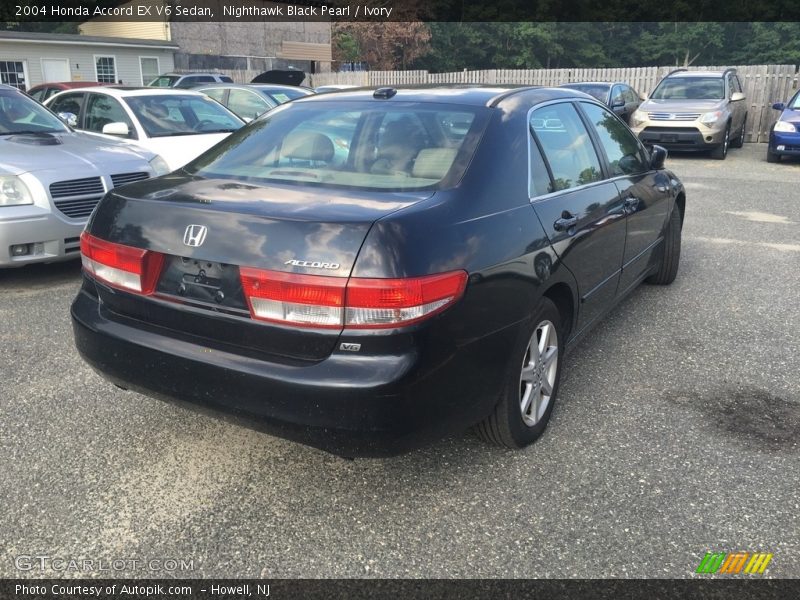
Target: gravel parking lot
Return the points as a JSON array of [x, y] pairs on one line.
[[676, 433]]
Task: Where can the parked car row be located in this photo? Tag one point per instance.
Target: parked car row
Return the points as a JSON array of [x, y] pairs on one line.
[[52, 177]]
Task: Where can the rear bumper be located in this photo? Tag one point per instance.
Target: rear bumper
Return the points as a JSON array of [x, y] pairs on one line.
[[48, 237], [346, 404], [681, 138]]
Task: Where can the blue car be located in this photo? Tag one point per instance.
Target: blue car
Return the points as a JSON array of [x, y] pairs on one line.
[[784, 139]]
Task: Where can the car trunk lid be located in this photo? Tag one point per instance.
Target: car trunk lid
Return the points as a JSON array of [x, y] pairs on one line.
[[208, 229]]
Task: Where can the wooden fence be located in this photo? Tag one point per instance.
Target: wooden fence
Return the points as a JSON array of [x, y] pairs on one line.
[[763, 84]]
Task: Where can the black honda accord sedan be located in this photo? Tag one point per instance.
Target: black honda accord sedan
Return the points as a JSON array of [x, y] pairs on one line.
[[369, 271]]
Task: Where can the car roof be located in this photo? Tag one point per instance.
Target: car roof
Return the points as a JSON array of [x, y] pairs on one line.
[[251, 86], [698, 74], [68, 85], [190, 74], [574, 83], [128, 92], [463, 94]]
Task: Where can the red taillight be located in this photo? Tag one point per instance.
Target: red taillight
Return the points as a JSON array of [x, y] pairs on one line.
[[374, 303], [335, 302], [123, 267], [300, 299]]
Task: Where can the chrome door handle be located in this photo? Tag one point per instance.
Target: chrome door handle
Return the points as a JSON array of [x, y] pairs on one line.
[[567, 221], [631, 204]]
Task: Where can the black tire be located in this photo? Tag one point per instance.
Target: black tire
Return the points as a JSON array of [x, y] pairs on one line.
[[772, 157], [505, 426], [671, 252], [721, 151], [738, 142]]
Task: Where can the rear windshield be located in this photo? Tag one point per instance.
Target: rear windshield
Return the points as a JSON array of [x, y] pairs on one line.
[[355, 145], [165, 115], [164, 81], [280, 95], [597, 91], [690, 88]]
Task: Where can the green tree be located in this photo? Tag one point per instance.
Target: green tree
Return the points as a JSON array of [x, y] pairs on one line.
[[681, 43]]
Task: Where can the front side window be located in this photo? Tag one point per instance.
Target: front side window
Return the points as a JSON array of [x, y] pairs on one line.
[[622, 150], [106, 69], [38, 95], [102, 110], [566, 145], [690, 88], [67, 103], [168, 115], [630, 95], [354, 145], [21, 114]]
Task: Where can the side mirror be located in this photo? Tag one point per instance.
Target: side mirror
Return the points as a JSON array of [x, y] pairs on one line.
[[643, 97], [779, 106], [69, 118], [118, 128], [737, 97], [658, 155]]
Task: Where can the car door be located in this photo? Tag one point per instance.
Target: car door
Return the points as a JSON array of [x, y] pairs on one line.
[[644, 192], [579, 209]]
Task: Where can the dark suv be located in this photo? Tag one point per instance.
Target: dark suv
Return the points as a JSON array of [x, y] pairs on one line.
[[694, 110]]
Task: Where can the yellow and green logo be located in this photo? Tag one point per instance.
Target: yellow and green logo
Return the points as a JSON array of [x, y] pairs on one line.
[[734, 562]]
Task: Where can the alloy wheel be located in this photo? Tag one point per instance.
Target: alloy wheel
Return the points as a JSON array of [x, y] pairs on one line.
[[538, 376]]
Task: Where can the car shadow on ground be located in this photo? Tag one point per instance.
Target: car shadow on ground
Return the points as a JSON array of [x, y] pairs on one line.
[[37, 276]]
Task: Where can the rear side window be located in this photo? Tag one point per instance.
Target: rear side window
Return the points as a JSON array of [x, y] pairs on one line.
[[225, 79], [248, 105], [356, 145], [566, 145], [621, 148], [217, 94]]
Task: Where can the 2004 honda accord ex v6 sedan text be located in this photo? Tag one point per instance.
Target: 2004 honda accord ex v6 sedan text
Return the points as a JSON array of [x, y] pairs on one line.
[[370, 271]]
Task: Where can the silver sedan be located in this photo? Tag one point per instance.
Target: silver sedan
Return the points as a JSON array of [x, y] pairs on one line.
[[52, 177]]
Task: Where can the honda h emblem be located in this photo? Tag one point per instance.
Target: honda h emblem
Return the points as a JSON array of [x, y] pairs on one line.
[[195, 235]]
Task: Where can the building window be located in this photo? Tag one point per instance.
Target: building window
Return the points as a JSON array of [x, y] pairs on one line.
[[105, 69], [12, 72], [150, 68]]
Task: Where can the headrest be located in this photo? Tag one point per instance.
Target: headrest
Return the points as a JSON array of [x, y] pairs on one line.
[[305, 145], [433, 163]]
